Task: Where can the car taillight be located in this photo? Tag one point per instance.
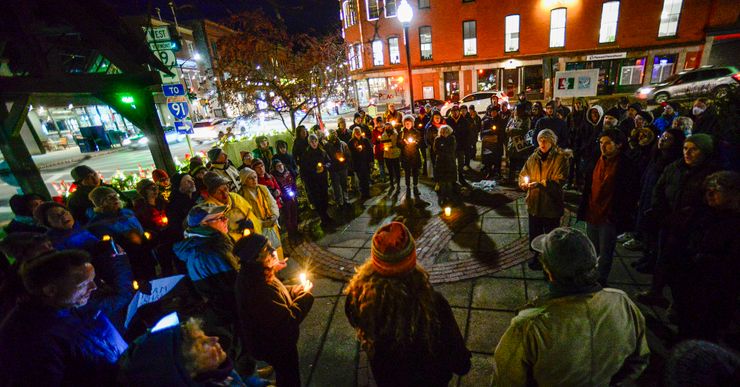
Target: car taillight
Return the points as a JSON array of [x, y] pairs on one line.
[[736, 77]]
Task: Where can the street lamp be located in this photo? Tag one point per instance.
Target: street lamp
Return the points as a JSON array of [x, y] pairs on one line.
[[405, 14]]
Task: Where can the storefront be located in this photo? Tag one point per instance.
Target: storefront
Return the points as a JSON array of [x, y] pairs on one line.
[[617, 72], [452, 86], [380, 91]]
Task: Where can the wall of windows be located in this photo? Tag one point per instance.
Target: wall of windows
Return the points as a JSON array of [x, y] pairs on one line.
[[355, 57], [425, 40], [470, 41], [557, 27], [609, 18], [511, 36], [669, 18], [393, 51]]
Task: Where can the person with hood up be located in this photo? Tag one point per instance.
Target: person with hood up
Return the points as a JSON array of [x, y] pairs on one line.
[[362, 159], [406, 327], [461, 131], [518, 147], [264, 206], [343, 132], [586, 148], [221, 165], [341, 159], [120, 225], [358, 122], [264, 151], [300, 144], [445, 170], [314, 164], [391, 155], [238, 211], [286, 158], [492, 140], [543, 177], [410, 154], [288, 195], [180, 356], [431, 131], [269, 312], [162, 179]]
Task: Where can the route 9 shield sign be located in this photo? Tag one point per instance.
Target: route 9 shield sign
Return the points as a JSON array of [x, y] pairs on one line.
[[179, 110]]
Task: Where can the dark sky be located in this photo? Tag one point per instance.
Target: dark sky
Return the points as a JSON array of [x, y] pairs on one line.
[[316, 17]]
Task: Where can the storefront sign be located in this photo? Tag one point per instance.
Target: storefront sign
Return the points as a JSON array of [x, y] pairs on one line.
[[611, 55], [576, 83]]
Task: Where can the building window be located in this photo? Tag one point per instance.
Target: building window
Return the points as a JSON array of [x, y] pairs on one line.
[[350, 13], [393, 51], [355, 57], [662, 67], [470, 41], [669, 18], [609, 17], [487, 79], [390, 8], [512, 33], [377, 53], [557, 27], [425, 42], [373, 10], [423, 4]]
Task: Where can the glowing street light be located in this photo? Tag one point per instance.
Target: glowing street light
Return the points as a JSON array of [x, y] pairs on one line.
[[405, 14]]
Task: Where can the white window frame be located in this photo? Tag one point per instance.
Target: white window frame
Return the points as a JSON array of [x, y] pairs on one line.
[[385, 8], [669, 18], [349, 13], [423, 44], [377, 9], [392, 51], [355, 56], [378, 59], [511, 34], [426, 6], [609, 21], [470, 44], [557, 27]]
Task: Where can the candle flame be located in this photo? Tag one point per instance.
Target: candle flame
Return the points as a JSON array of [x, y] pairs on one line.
[[341, 159], [526, 179], [147, 234], [303, 277], [246, 232], [106, 238], [136, 285], [165, 220], [448, 211]]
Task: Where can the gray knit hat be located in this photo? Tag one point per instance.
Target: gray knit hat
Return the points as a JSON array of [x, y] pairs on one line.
[[566, 253], [548, 134], [213, 180], [98, 195]]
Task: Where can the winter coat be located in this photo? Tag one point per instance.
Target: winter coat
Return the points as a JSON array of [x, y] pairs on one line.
[[413, 365], [266, 155], [493, 134], [445, 169], [177, 211], [377, 144], [707, 123], [288, 189], [680, 187], [420, 124], [518, 146], [238, 211], [344, 135], [229, 172], [81, 206], [410, 148], [624, 199], [288, 161], [389, 141], [340, 155], [585, 339], [270, 314], [461, 131], [362, 153], [311, 160], [555, 124], [152, 218], [300, 145], [271, 184], [476, 124], [366, 132], [550, 171], [43, 346], [394, 116], [211, 267], [122, 226], [664, 122], [587, 146], [24, 224]]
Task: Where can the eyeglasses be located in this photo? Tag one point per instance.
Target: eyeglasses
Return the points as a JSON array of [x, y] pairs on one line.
[[221, 218]]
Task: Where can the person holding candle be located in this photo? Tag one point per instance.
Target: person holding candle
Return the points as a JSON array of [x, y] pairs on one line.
[[431, 131], [542, 177], [150, 208], [341, 159], [393, 116], [461, 130], [289, 196], [269, 312], [406, 328], [492, 139], [264, 206], [362, 159], [445, 170], [314, 163], [378, 146], [391, 155], [410, 154]]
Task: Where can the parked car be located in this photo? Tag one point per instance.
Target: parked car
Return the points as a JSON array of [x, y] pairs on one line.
[[208, 130], [714, 82], [479, 99]]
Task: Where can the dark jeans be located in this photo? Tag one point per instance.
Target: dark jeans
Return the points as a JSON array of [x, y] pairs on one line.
[[394, 170], [446, 190], [289, 215], [604, 238], [287, 371], [460, 156], [410, 172], [317, 187], [363, 176], [424, 161]]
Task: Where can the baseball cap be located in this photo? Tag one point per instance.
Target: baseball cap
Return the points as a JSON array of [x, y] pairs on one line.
[[566, 252], [204, 212]]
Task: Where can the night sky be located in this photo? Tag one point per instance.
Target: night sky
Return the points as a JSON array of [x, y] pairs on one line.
[[316, 17]]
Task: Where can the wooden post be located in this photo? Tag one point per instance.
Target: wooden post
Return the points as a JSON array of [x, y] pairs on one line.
[[15, 150]]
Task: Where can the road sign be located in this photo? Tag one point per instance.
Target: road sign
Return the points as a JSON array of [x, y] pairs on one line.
[[167, 57], [170, 78], [179, 110], [159, 46], [184, 127], [173, 89], [157, 34]]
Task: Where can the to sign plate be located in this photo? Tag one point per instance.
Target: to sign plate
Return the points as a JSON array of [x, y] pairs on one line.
[[173, 89], [179, 110], [184, 127]]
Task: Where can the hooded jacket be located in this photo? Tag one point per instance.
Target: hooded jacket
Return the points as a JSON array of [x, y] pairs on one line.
[[587, 136], [551, 171]]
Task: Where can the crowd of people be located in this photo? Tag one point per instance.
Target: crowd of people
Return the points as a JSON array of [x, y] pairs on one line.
[[661, 185]]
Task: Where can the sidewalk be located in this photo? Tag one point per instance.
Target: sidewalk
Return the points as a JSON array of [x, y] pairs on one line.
[[476, 258]]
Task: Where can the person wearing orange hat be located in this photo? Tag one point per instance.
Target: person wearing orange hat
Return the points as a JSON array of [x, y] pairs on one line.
[[404, 325]]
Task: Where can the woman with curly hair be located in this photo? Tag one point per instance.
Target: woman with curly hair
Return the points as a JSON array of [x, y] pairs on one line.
[[406, 328]]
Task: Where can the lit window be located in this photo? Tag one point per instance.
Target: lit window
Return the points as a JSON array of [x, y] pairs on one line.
[[557, 27], [423, 4], [355, 57], [470, 41], [609, 17], [669, 18], [377, 53], [425, 42], [373, 10], [395, 53], [512, 33], [390, 8], [350, 13]]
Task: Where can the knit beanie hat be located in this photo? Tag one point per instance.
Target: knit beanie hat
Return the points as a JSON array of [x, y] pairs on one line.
[[245, 173], [257, 162], [99, 194], [40, 212], [703, 142], [213, 180], [248, 248], [393, 251], [548, 134], [566, 252], [143, 184], [159, 175], [213, 154], [408, 117], [635, 106], [194, 171], [80, 172], [176, 180]]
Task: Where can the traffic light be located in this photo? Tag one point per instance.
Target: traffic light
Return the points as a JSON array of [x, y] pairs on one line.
[[128, 99], [175, 39]]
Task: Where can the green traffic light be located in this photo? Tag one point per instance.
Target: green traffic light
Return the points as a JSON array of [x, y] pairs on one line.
[[127, 99]]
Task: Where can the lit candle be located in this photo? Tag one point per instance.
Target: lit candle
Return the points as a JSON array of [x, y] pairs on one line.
[[165, 220], [147, 235], [246, 232], [393, 123], [319, 165], [411, 140], [448, 211], [136, 285], [526, 179], [106, 238], [359, 147], [303, 277], [341, 159]]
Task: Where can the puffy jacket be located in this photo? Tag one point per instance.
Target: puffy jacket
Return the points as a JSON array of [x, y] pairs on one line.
[[122, 226], [664, 122], [238, 211], [550, 170], [410, 147], [588, 339], [680, 187]]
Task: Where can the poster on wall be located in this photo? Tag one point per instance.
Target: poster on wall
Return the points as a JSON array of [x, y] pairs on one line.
[[576, 83]]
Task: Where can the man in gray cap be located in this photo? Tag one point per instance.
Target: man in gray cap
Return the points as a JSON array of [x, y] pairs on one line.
[[86, 179], [579, 334]]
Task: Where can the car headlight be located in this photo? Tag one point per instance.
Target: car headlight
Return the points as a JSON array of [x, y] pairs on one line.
[[144, 141], [645, 90], [126, 142]]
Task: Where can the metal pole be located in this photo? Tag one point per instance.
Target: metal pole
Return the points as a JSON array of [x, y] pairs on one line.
[[408, 62]]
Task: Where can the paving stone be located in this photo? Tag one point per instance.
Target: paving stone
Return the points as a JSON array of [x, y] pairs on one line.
[[501, 225], [344, 252], [464, 242], [461, 317], [515, 271], [456, 293], [336, 363], [326, 287], [498, 293], [486, 328], [481, 371], [496, 241], [354, 239], [313, 328], [362, 255]]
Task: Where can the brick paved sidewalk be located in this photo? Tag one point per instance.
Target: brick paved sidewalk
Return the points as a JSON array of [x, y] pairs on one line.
[[476, 260]]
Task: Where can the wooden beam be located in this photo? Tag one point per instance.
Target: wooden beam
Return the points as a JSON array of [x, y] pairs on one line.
[[77, 84]]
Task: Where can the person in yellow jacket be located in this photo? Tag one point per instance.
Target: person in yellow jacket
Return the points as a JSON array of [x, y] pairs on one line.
[[263, 206], [238, 209]]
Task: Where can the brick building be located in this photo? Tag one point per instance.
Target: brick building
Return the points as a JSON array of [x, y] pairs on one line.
[[461, 46]]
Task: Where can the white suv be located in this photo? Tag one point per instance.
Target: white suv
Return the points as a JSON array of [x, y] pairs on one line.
[[713, 82], [479, 99]]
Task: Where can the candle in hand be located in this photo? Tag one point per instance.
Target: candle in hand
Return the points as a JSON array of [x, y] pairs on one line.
[[341, 159], [359, 147], [526, 179], [246, 232], [303, 278], [448, 211]]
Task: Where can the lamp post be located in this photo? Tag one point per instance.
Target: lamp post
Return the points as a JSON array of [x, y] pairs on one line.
[[405, 14]]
